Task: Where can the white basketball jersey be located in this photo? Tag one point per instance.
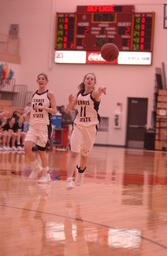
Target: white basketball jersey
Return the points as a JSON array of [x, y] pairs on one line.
[[87, 109], [40, 116]]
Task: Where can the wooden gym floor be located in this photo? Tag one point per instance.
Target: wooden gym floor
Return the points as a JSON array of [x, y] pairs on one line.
[[120, 210]]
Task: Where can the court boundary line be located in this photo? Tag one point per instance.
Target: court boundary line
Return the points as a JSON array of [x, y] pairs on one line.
[[81, 220]]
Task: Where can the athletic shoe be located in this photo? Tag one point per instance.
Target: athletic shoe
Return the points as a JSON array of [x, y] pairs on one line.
[[70, 183], [44, 179], [5, 148], [19, 148], [34, 174], [78, 178], [14, 148]]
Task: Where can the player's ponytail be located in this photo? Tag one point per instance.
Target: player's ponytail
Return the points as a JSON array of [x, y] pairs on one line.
[[81, 87]]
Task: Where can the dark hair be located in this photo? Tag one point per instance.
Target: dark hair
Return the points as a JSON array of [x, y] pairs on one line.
[[82, 85], [42, 74]]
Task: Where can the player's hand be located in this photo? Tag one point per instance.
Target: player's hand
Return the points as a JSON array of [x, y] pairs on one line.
[[71, 103], [71, 99], [40, 108], [103, 90]]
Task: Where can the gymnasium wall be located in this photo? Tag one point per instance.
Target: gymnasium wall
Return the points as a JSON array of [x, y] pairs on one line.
[[36, 19]]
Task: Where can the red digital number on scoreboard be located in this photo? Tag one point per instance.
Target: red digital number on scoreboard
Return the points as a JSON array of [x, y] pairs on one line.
[[143, 26], [65, 36]]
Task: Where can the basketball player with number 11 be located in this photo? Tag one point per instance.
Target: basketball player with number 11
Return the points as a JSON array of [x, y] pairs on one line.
[[83, 136]]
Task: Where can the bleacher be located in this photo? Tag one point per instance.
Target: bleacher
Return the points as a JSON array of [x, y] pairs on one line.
[[7, 105], [14, 97]]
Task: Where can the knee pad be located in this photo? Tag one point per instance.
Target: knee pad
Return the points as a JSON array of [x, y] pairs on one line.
[[81, 170]]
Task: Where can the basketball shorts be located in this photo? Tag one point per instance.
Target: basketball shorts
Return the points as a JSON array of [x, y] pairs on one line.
[[38, 135], [82, 139]]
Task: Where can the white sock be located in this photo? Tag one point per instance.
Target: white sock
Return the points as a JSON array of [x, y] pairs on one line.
[[45, 170], [69, 178]]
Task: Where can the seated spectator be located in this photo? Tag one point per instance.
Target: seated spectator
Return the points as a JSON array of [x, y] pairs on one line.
[[9, 134], [3, 120], [16, 114], [20, 133], [66, 117], [4, 116], [13, 126]]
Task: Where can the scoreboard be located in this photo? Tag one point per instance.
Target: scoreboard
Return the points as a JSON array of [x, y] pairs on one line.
[[82, 34]]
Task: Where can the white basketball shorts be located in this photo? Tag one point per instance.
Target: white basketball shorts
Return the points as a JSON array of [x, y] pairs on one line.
[[82, 139], [38, 135]]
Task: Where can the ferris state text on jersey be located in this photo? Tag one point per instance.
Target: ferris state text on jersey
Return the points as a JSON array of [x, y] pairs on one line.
[[39, 115], [87, 110], [83, 104]]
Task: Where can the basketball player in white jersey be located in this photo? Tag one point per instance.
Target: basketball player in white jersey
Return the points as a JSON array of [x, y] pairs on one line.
[[42, 106], [83, 136]]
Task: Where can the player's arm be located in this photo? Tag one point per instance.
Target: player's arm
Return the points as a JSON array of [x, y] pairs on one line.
[[53, 109], [71, 103], [96, 94], [26, 115]]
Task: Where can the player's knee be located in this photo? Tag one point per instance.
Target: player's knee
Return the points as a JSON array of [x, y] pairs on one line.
[[84, 153], [74, 155]]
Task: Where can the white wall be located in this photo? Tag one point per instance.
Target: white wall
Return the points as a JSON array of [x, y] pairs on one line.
[[36, 19]]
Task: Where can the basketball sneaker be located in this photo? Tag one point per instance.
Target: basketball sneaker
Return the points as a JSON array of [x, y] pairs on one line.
[[44, 179], [70, 183], [5, 148], [14, 148], [20, 148], [78, 178], [34, 174]]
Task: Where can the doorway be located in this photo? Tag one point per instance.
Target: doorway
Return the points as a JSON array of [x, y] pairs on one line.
[[136, 122]]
